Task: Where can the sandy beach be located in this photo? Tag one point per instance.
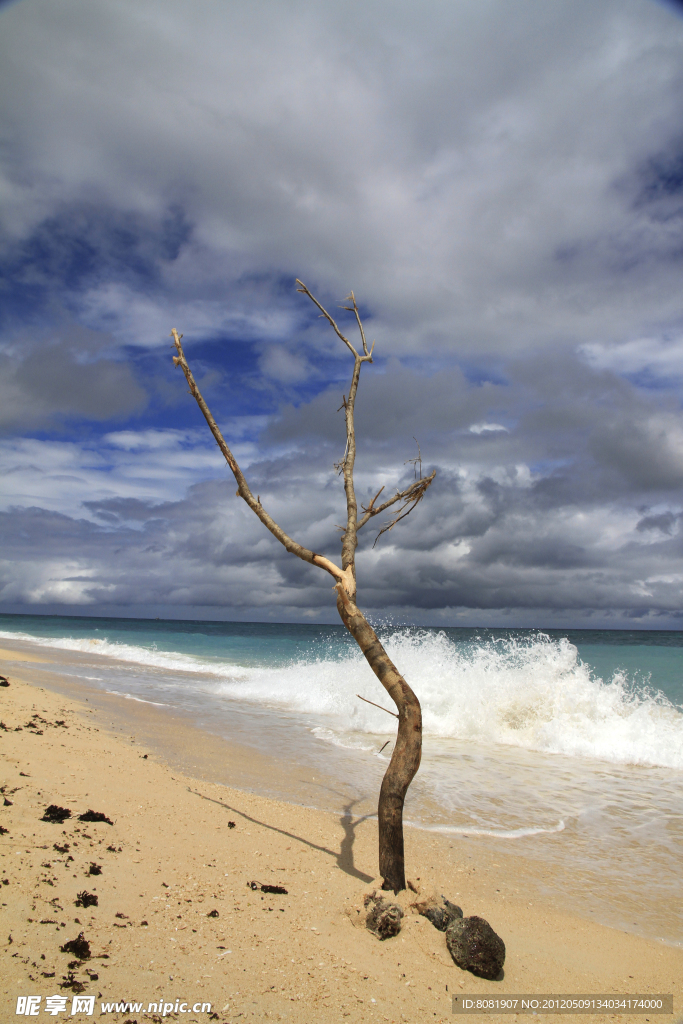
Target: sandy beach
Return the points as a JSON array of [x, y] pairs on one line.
[[176, 922]]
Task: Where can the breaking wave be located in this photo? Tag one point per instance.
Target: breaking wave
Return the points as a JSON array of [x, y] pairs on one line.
[[533, 693]]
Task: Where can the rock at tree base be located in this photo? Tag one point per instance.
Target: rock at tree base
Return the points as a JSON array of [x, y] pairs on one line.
[[383, 918], [475, 947], [439, 912]]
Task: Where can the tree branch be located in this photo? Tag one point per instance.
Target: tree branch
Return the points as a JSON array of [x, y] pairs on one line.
[[367, 356], [392, 713], [411, 496], [349, 538], [243, 489]]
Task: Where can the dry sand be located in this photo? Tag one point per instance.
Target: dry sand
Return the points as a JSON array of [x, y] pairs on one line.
[[171, 859]]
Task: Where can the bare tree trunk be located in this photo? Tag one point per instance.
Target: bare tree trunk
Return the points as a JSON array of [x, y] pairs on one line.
[[405, 759], [407, 753]]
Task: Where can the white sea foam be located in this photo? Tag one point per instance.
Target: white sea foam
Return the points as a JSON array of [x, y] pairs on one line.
[[150, 656], [140, 700], [533, 693], [494, 833]]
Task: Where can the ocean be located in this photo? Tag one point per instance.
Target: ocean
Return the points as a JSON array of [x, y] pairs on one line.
[[564, 747]]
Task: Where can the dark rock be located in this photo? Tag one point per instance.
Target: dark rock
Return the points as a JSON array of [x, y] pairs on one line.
[[56, 814], [212, 913], [475, 947], [4, 681], [439, 913], [383, 918], [95, 869], [79, 946]]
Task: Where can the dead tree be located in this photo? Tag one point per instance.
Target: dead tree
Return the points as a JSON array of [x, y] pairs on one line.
[[405, 759]]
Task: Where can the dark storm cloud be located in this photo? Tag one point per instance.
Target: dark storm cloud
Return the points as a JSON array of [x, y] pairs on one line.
[[207, 554], [523, 518], [65, 373]]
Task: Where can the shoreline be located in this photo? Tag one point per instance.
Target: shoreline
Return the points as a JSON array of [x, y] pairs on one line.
[[563, 867], [302, 960]]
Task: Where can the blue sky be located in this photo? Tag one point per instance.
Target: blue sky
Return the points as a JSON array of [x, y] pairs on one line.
[[504, 194]]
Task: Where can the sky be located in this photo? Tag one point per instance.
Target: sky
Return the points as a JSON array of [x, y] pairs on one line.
[[502, 188]]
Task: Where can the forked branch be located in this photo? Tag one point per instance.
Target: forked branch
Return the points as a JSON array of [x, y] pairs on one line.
[[410, 497], [349, 537], [367, 355]]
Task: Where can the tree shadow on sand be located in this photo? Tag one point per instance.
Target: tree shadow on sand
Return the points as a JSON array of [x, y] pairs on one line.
[[344, 857]]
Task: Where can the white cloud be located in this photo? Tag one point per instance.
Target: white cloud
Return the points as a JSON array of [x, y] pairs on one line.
[[659, 358], [488, 428], [472, 176], [61, 475]]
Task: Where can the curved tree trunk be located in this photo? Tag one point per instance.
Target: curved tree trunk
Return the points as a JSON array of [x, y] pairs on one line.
[[405, 759]]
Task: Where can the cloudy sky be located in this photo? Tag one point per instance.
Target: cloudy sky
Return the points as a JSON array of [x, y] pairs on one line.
[[502, 187]]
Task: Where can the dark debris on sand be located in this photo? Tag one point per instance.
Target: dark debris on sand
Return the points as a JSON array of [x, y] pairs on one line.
[[86, 899], [55, 814], [80, 947], [277, 889], [95, 816]]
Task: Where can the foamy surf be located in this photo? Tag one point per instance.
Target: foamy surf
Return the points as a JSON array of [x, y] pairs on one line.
[[534, 694], [140, 700], [152, 657], [492, 833], [524, 732]]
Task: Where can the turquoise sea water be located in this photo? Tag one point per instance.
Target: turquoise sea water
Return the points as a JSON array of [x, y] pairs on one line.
[[566, 746]]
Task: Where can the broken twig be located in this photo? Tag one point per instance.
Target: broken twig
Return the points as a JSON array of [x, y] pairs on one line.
[[393, 713]]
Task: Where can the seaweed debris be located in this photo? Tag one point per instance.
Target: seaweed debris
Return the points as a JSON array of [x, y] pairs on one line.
[[277, 889], [95, 816], [55, 814]]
